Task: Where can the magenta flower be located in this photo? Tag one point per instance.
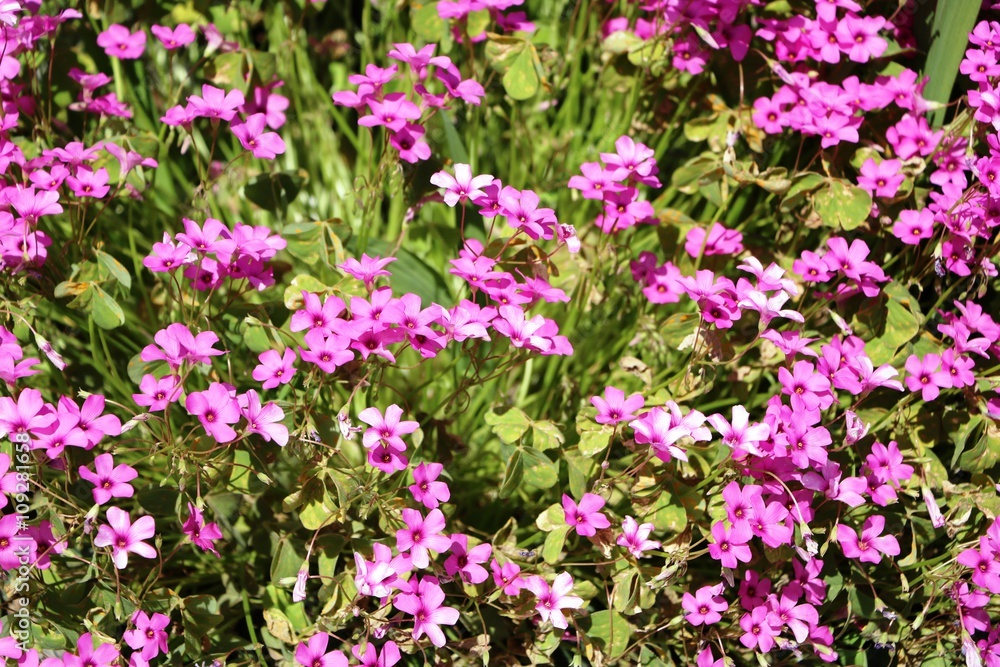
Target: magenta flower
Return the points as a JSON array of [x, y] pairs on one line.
[[635, 537], [758, 632], [887, 465], [176, 344], [586, 517], [768, 523], [13, 541], [386, 429], [368, 269], [881, 179], [149, 635], [26, 416], [124, 537], [507, 577], [173, 38], [552, 600], [315, 315], [424, 603], [264, 420], [614, 408], [387, 459], [216, 103], [109, 482], [858, 37], [216, 408], [379, 577], [594, 182], [274, 368], [705, 607], [251, 133], [871, 545], [372, 657], [118, 42], [740, 435], [422, 535], [465, 562], [462, 186], [202, 535], [314, 654], [157, 394], [392, 112], [87, 183], [521, 331], [926, 376], [105, 655], [328, 352], [425, 489], [729, 548]]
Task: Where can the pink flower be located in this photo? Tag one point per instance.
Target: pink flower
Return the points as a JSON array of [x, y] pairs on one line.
[[720, 241], [315, 315], [216, 103], [216, 408], [595, 181], [274, 368], [858, 37], [422, 535], [462, 186], [705, 606], [157, 394], [871, 545], [124, 537], [176, 344], [386, 429], [118, 42], [26, 416], [264, 420], [368, 269], [174, 38], [328, 352], [380, 577], [109, 482], [728, 548], [266, 145], [614, 408], [314, 654], [926, 376], [392, 112], [424, 603], [585, 518], [758, 632], [371, 657], [507, 577], [425, 489], [887, 465], [741, 436], [635, 537], [202, 535], [105, 655], [465, 562], [149, 634], [552, 600], [87, 183], [881, 179]]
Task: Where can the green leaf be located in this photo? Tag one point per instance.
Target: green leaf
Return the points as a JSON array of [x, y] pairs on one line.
[[503, 50], [949, 35], [106, 312], [801, 186], [545, 435], [554, 541], [842, 205], [244, 473], [513, 476], [426, 22], [609, 630], [510, 426], [521, 80], [273, 192], [287, 559], [116, 269], [539, 471], [551, 518]]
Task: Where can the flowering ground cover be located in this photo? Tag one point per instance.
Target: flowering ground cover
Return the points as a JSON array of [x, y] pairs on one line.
[[500, 332]]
